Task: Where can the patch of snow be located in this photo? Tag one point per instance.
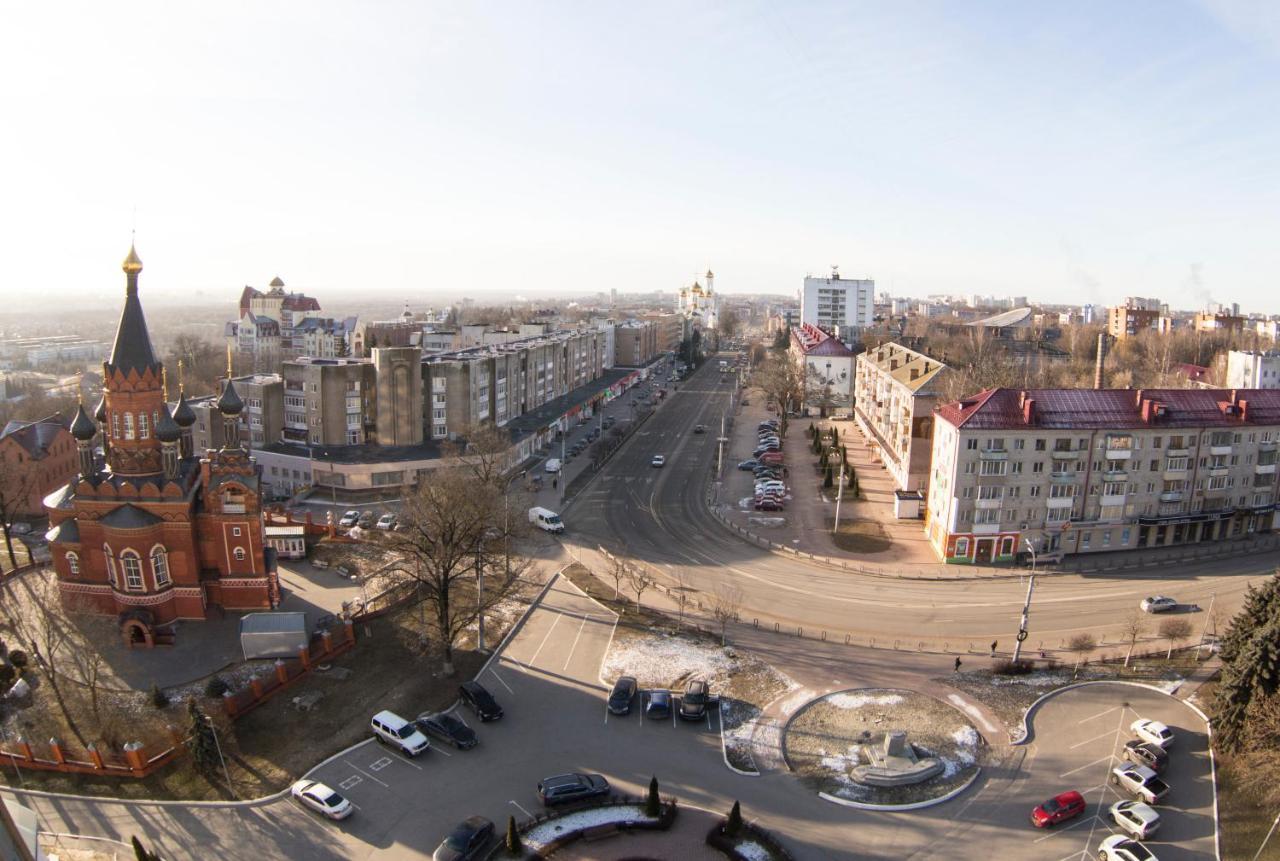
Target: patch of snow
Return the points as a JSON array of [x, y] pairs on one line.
[[966, 736], [752, 851], [857, 701], [659, 661], [839, 764], [545, 832]]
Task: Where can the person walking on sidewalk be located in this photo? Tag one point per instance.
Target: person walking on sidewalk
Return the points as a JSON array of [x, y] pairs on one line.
[[957, 663], [994, 643]]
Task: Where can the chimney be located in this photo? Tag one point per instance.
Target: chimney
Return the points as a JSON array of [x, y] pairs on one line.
[[1102, 356], [1028, 410]]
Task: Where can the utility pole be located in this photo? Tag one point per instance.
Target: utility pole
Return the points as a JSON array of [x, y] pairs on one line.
[[835, 529], [720, 441], [564, 436], [1208, 617], [221, 759], [1026, 606]]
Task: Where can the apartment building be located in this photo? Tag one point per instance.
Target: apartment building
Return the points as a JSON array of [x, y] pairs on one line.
[[36, 458], [895, 391], [670, 330], [1253, 369], [635, 343], [828, 387], [277, 325], [841, 306], [1068, 471], [329, 401], [1218, 321], [1125, 321]]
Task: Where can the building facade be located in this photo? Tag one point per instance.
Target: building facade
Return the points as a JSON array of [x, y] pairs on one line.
[[829, 370], [894, 392], [1253, 369], [1070, 471], [329, 401], [1126, 321], [157, 534], [635, 343], [700, 305], [36, 458], [842, 306]]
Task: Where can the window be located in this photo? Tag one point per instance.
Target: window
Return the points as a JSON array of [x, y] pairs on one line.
[[1085, 539], [235, 530], [128, 426], [111, 566], [1062, 491], [971, 445], [995, 467], [160, 567], [990, 491], [1019, 444], [239, 554], [73, 564], [987, 515], [962, 546], [1039, 445], [1034, 490], [1038, 466], [144, 429], [115, 426], [132, 566]]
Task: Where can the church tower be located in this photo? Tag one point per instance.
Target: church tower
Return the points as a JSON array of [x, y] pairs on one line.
[[133, 394]]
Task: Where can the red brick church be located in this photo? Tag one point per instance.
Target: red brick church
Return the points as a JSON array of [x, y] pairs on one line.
[[159, 533]]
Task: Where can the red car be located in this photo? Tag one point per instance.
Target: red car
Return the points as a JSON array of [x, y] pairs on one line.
[[1060, 808]]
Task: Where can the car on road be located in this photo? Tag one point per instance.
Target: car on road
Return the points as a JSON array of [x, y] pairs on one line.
[[1117, 847], [693, 703], [624, 690], [1060, 808], [1152, 731], [466, 842], [1140, 752], [657, 705], [320, 798], [552, 465], [477, 698], [349, 519], [389, 728], [658, 460], [451, 729], [1139, 820], [571, 787], [748, 465], [1158, 604], [387, 522], [769, 505], [1140, 781], [699, 428]]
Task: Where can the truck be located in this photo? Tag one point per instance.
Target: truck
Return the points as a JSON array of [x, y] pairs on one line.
[[1140, 781], [546, 519]]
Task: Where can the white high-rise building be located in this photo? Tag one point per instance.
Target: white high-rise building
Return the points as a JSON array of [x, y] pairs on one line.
[[841, 306], [1247, 369]]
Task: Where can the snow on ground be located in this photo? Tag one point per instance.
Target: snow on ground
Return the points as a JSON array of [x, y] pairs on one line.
[[857, 701], [660, 660], [840, 763], [752, 851], [545, 832], [966, 739]]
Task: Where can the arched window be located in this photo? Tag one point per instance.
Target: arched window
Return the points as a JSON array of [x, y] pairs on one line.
[[131, 563], [128, 426], [160, 566], [73, 564], [111, 566], [239, 554], [144, 429]]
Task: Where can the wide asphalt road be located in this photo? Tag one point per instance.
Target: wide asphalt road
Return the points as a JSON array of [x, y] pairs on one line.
[[659, 516]]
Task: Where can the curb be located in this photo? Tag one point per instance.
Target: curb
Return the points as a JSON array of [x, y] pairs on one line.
[[893, 808], [724, 754]]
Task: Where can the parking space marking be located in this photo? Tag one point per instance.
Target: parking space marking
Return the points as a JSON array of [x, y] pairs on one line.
[[351, 782], [1100, 714], [1111, 733], [366, 774], [547, 636], [573, 648], [494, 673], [438, 749], [521, 809], [379, 764], [1107, 759], [1054, 832], [1105, 783], [406, 761]]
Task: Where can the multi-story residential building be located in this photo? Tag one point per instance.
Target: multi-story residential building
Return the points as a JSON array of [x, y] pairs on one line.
[[1126, 321], [894, 393], [36, 458], [1266, 327], [635, 343], [700, 304], [329, 401], [829, 364], [841, 306], [1250, 369], [404, 331], [278, 325], [51, 348], [1070, 471], [670, 329], [1217, 321]]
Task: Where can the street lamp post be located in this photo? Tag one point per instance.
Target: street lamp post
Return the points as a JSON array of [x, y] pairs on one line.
[[221, 759], [1026, 605]]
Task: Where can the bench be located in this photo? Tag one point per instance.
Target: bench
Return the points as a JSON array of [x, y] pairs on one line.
[[600, 832]]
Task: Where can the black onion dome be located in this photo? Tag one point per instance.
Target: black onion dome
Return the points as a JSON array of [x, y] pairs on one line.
[[183, 415], [100, 412], [167, 430], [83, 427], [229, 403]]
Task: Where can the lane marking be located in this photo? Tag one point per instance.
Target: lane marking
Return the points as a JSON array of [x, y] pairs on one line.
[[1095, 738], [1059, 829], [545, 637], [500, 681], [521, 809], [407, 761], [348, 783], [1099, 714], [366, 774], [574, 647], [1107, 759], [437, 749]]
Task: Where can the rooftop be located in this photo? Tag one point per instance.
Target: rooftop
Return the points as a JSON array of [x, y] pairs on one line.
[[1018, 317]]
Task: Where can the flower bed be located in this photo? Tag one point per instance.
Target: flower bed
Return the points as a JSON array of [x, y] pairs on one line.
[[545, 834], [751, 843]]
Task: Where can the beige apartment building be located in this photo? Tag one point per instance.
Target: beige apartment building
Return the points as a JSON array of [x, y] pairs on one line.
[[895, 391], [1069, 471], [329, 401], [635, 343]]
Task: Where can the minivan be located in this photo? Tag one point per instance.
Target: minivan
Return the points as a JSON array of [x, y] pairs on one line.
[[389, 728]]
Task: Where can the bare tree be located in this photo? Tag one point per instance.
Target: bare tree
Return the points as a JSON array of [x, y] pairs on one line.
[[42, 627], [682, 590], [617, 571], [18, 480], [640, 581], [725, 605], [1133, 627], [1081, 644], [1176, 630]]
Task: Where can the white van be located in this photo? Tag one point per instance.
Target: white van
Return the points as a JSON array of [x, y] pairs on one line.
[[553, 465], [390, 728], [546, 519]]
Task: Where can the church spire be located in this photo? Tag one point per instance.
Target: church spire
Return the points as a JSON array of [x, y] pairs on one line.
[[132, 349]]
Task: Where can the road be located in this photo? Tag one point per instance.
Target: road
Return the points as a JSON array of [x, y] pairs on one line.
[[660, 517]]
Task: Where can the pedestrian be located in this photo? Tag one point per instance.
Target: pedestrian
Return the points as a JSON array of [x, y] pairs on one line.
[[555, 484], [957, 663], [994, 643]]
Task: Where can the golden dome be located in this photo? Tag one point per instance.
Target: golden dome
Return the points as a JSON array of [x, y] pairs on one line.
[[132, 264]]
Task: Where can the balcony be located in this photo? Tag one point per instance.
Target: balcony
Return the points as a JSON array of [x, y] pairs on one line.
[[1060, 502], [986, 528], [1112, 499], [987, 503], [994, 454], [1063, 454], [1265, 469], [1062, 478], [1119, 453], [1267, 446], [1218, 471], [1171, 496], [1115, 475], [1177, 452], [1220, 450]]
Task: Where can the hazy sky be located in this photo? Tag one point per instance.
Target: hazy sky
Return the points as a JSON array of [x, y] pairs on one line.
[[1077, 151]]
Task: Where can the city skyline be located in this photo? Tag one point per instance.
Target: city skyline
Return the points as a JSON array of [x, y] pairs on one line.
[[425, 151]]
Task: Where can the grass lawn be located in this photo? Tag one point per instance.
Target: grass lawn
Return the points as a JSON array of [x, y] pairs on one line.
[[860, 536]]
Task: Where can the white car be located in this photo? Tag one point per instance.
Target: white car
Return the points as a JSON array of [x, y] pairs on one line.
[[771, 485], [1138, 819], [658, 460], [1117, 847], [321, 799], [1158, 604], [351, 518], [1152, 731], [387, 522]]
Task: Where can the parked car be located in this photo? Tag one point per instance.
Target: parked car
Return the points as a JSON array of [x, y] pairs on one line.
[[19, 528], [768, 505], [552, 465], [658, 460], [366, 520], [349, 519], [1117, 847], [699, 428], [387, 522], [748, 464], [764, 449], [1158, 604], [389, 728], [571, 787], [657, 705], [1139, 820], [466, 842], [447, 727], [693, 704], [1060, 808], [476, 697], [316, 796], [1152, 731], [1140, 752], [624, 690], [1140, 781]]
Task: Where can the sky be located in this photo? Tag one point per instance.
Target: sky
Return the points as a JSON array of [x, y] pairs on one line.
[[1070, 152]]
